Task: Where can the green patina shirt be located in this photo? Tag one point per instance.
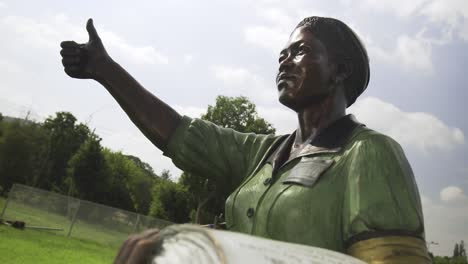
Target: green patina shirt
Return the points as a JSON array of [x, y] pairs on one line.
[[349, 184]]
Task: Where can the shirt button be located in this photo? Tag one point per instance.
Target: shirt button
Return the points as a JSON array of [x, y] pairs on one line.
[[250, 212], [267, 181]]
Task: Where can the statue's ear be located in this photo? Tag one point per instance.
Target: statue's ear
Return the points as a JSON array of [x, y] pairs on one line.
[[344, 69]]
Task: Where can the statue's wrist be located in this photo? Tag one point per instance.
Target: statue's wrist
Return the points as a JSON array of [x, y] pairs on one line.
[[104, 69]]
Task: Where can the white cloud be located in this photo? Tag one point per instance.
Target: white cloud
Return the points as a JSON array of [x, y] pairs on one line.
[[282, 119], [400, 7], [453, 14], [11, 108], [278, 24], [278, 17], [464, 30], [414, 53], [137, 55], [453, 194], [192, 111], [445, 225], [2, 5], [231, 74], [188, 59], [240, 81], [48, 33], [271, 38], [410, 53], [421, 130], [9, 67], [446, 11], [27, 30]]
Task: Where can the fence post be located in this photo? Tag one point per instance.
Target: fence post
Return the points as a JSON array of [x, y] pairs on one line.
[[74, 219], [136, 223], [6, 205]]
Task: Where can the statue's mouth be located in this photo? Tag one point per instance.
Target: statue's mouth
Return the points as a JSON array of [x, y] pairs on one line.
[[284, 77]]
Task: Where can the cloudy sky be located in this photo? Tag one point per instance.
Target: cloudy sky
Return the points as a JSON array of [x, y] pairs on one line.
[[187, 53]]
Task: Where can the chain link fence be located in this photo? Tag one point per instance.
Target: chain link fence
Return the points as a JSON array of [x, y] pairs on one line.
[[73, 217]]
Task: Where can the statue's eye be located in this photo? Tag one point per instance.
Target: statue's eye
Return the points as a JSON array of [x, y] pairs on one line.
[[303, 49], [282, 57]]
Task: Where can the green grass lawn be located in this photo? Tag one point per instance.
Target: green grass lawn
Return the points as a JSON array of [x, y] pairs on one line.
[[94, 242], [111, 234], [32, 246]]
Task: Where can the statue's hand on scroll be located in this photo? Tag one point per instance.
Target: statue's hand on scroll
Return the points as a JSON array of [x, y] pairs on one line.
[[139, 249]]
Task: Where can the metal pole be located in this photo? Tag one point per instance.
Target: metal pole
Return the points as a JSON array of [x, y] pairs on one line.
[[6, 205], [136, 223], [74, 219], [7, 201]]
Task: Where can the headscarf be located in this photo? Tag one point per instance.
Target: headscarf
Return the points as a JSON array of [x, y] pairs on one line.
[[344, 45]]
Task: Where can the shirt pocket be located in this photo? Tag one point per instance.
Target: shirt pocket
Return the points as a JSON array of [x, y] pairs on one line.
[[308, 171]]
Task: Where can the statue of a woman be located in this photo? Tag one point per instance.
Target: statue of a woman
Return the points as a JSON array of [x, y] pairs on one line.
[[332, 183]]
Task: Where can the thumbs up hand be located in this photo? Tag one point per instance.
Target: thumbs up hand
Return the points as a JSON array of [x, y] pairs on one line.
[[83, 61]]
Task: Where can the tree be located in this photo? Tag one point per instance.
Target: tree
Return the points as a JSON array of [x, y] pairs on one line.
[[22, 152], [139, 185], [110, 178], [202, 194], [456, 251], [87, 171], [459, 255], [165, 174], [171, 201], [66, 137], [63, 155], [461, 249], [117, 171], [130, 185], [241, 115], [147, 169]]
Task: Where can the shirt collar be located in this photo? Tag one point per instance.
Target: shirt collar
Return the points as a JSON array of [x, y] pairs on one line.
[[330, 140]]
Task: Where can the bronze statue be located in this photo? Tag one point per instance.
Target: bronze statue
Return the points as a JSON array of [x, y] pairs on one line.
[[332, 183]]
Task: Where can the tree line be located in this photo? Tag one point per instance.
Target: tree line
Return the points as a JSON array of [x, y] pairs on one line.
[[458, 257], [63, 155]]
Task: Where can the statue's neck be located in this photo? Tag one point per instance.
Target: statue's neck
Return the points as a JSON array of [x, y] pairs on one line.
[[315, 117]]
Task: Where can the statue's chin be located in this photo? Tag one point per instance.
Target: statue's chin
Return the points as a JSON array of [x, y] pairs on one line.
[[296, 103], [288, 94], [287, 100]]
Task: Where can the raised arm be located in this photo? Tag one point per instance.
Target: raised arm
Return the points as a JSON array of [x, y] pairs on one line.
[[153, 117]]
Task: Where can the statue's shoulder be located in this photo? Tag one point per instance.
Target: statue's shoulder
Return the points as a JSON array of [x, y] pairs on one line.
[[367, 139]]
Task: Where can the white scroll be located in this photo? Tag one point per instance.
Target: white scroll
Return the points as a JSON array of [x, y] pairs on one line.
[[199, 245]]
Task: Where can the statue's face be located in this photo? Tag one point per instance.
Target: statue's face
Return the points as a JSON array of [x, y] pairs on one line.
[[305, 71]]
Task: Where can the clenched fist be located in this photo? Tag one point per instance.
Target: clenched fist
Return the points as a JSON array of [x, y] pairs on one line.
[[84, 61]]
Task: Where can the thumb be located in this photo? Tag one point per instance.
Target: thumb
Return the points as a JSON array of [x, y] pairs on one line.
[[93, 35]]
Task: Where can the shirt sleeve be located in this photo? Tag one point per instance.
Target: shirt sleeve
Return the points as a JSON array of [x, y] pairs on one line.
[[222, 154], [381, 196]]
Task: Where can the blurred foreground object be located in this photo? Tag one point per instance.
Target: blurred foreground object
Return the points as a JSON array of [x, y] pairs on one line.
[[195, 244]]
